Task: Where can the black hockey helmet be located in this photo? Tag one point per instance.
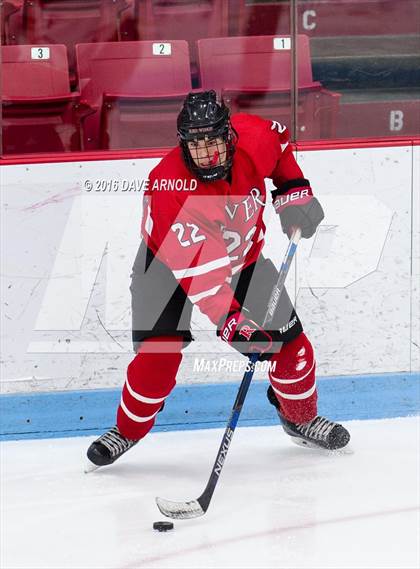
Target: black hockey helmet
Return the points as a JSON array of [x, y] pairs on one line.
[[204, 118]]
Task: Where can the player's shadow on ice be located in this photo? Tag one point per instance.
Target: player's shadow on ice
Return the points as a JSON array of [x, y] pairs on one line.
[[150, 470]]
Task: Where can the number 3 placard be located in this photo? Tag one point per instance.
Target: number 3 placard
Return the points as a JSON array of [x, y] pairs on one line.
[[39, 52]]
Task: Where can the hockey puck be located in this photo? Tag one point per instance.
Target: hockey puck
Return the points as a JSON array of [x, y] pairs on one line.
[[163, 526]]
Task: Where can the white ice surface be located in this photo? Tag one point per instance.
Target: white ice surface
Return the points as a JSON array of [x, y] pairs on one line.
[[277, 505]]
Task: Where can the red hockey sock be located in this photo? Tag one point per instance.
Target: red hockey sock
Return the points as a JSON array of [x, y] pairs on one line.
[[293, 380], [151, 376]]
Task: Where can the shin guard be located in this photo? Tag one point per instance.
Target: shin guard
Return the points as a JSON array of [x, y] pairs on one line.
[[151, 376], [293, 380]]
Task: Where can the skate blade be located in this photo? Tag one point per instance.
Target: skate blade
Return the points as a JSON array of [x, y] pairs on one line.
[[303, 443], [307, 444], [90, 467]]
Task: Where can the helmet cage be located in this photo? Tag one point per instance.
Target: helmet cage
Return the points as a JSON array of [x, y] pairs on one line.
[[202, 118]]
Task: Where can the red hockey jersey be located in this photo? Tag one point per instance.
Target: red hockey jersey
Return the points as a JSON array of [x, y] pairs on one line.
[[207, 232]]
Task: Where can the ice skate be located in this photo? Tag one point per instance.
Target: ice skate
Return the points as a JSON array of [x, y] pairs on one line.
[[108, 448], [317, 433]]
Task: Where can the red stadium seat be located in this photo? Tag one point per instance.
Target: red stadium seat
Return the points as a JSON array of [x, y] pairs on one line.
[[136, 89], [71, 22], [40, 114], [254, 74], [182, 19]]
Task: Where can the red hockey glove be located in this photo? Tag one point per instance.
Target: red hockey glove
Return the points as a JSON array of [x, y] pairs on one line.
[[297, 207], [244, 334]]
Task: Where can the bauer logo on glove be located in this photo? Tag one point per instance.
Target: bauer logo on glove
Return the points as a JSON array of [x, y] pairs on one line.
[[283, 200], [297, 207], [229, 329]]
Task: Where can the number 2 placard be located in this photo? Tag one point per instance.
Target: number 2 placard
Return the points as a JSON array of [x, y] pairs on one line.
[[162, 49]]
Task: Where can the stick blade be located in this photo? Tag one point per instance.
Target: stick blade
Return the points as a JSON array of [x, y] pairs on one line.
[[180, 510]]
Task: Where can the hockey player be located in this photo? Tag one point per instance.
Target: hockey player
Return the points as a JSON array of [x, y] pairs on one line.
[[203, 248]]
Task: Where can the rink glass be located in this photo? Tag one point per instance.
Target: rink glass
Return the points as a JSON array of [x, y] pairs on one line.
[[329, 69]]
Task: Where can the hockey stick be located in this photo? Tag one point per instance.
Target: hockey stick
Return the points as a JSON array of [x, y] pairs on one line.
[[198, 507]]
